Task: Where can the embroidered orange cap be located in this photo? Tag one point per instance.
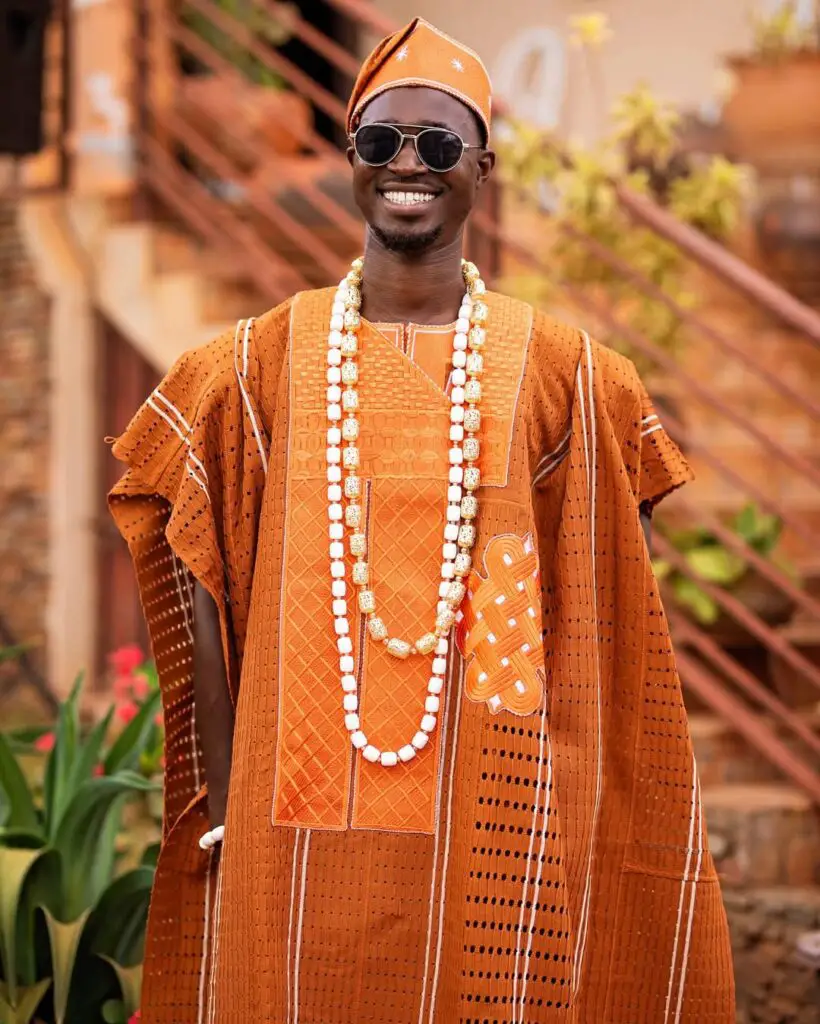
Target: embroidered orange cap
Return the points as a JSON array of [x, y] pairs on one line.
[[420, 54]]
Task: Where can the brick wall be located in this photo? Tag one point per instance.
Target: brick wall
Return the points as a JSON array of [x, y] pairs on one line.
[[24, 393]]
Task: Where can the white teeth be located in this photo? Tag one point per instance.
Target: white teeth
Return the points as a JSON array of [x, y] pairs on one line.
[[409, 198]]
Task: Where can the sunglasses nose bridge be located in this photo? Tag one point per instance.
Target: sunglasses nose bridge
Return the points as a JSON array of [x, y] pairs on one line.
[[406, 159]]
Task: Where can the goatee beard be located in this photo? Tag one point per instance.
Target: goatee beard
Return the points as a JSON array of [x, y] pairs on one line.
[[407, 244]]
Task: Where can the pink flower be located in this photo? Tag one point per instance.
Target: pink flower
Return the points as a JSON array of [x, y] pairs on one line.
[[45, 743], [127, 711], [137, 1017], [159, 719], [98, 770], [123, 687], [139, 685], [126, 659]]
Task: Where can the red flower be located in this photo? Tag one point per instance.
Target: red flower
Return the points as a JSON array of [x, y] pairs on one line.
[[159, 719], [139, 685], [126, 659], [45, 743], [137, 1017], [123, 687], [98, 770], [127, 711]]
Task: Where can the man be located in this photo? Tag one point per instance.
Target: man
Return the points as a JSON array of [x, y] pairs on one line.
[[388, 542]]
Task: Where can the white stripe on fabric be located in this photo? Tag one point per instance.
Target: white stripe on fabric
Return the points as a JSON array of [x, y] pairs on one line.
[[446, 860], [188, 429], [193, 459], [179, 574], [173, 409], [648, 419], [525, 887], [591, 441], [693, 893], [651, 430], [242, 382], [684, 880], [215, 956], [301, 918], [442, 758], [294, 873], [203, 963]]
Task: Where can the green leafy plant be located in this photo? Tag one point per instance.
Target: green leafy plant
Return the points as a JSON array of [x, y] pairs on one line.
[[709, 560], [71, 927], [779, 32]]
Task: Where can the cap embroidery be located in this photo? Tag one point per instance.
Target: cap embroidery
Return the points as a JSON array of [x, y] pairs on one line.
[[403, 53]]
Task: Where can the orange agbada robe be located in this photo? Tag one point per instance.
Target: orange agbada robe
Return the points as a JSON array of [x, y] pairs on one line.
[[544, 859]]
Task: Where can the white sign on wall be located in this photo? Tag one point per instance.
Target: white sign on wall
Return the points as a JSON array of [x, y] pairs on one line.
[[530, 76]]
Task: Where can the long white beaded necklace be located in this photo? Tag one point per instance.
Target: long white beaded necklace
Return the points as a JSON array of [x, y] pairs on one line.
[[462, 501]]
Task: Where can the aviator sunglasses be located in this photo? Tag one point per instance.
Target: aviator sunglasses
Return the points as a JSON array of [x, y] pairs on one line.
[[439, 149]]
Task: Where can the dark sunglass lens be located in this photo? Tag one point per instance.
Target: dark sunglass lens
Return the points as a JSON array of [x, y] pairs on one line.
[[439, 149], [377, 144]]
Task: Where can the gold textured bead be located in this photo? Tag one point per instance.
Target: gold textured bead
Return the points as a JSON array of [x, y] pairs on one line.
[[399, 648], [471, 447], [475, 364], [353, 321], [469, 506], [470, 271], [350, 371], [472, 420], [463, 563], [358, 545], [350, 399], [350, 428], [444, 621], [426, 644], [477, 338], [367, 602], [361, 574], [377, 628], [466, 537], [357, 266], [472, 478], [478, 288], [472, 391], [480, 313], [455, 593], [353, 487], [354, 296], [350, 457], [350, 344], [353, 516]]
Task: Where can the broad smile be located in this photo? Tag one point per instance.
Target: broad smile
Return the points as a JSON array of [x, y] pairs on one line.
[[408, 198]]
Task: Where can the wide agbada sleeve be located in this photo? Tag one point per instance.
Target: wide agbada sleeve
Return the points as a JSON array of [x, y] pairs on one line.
[[663, 466], [188, 506]]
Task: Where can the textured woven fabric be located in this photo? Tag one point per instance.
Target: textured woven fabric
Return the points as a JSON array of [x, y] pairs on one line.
[[545, 860]]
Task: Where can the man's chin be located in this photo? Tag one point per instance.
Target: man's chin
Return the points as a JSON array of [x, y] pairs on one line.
[[408, 243]]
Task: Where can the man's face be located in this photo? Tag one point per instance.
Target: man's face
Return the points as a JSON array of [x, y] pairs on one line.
[[419, 227]]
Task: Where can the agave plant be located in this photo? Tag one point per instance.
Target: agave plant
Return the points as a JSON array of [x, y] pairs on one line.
[[72, 928]]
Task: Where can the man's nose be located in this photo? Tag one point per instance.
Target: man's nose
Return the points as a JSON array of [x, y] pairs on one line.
[[406, 161]]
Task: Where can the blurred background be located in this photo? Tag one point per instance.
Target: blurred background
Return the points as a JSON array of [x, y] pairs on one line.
[[167, 166]]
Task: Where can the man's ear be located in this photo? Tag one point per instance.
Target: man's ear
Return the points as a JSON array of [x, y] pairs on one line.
[[484, 166], [350, 153]]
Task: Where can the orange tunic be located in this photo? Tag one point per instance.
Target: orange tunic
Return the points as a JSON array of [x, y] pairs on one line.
[[545, 858]]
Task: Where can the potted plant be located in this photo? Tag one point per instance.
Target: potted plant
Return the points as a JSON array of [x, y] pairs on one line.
[[708, 560], [72, 921]]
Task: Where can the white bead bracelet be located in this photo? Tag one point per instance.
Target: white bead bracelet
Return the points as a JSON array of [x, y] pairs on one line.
[[210, 839]]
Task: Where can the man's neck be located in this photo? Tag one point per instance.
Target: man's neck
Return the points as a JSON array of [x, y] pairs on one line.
[[424, 289]]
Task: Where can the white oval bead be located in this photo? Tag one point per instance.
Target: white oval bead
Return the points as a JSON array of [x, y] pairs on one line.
[[338, 308], [462, 325], [456, 396], [344, 645], [334, 493], [449, 550], [334, 375], [428, 723], [341, 626], [453, 513], [459, 360], [371, 753], [346, 664], [407, 753], [338, 588], [352, 722], [334, 357], [334, 339], [337, 531], [334, 393], [456, 456], [389, 758], [337, 550], [460, 342], [335, 511], [334, 436], [349, 684], [443, 645], [448, 570], [339, 607], [420, 740], [457, 414], [337, 570], [451, 531], [334, 412], [444, 588], [459, 377], [337, 322], [436, 685], [456, 429], [465, 309], [334, 455], [439, 666], [351, 702], [359, 740], [442, 606], [456, 474], [454, 494], [334, 474], [432, 704]]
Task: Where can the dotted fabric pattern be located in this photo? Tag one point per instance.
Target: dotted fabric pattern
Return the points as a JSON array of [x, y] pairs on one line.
[[565, 875]]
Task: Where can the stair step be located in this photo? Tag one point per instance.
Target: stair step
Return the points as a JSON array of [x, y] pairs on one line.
[[763, 834]]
